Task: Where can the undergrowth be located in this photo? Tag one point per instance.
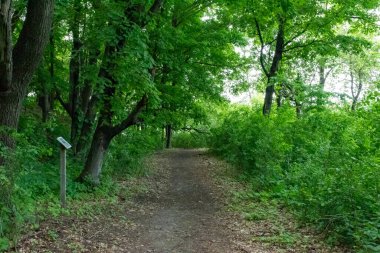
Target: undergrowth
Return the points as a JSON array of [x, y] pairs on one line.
[[323, 165], [185, 139], [29, 181]]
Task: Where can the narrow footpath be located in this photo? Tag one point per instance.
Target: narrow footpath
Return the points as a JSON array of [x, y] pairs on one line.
[[187, 216], [185, 205]]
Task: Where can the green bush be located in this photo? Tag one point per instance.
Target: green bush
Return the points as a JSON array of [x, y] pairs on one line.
[[189, 140], [128, 150], [29, 182], [324, 165]]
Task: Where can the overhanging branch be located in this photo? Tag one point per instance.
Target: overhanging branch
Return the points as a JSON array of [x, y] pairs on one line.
[[132, 118]]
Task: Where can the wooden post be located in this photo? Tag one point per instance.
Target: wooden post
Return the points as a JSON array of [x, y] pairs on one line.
[[63, 177], [64, 145]]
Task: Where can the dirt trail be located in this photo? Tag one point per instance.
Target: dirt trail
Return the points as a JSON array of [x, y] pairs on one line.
[[181, 207], [186, 217]]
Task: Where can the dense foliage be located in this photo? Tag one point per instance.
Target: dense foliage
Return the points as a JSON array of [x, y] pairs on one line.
[[29, 189], [324, 165], [120, 79]]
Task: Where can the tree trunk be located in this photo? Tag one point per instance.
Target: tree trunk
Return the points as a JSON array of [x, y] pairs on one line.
[[10, 108], [106, 130], [45, 104], [322, 77], [87, 126], [5, 45], [88, 103], [268, 99], [103, 135], [298, 108], [95, 157], [46, 96], [75, 63], [277, 57], [356, 93], [168, 135], [43, 95], [279, 96], [321, 85], [27, 54]]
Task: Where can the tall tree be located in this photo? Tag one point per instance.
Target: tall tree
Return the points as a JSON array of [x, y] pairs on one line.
[[135, 16], [289, 28], [18, 63]]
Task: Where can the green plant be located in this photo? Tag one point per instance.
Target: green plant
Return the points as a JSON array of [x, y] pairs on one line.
[[323, 165], [189, 140]]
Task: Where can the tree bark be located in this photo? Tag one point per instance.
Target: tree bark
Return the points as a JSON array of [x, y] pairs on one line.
[[298, 108], [95, 157], [74, 77], [168, 135], [5, 45], [26, 56], [321, 85], [103, 136], [86, 108], [43, 95], [105, 129], [277, 57], [356, 93], [47, 96], [268, 99], [87, 128]]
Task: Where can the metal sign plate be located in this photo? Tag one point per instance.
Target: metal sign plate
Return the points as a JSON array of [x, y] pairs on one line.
[[64, 143]]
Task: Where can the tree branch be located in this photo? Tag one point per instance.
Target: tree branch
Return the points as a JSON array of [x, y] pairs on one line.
[[65, 105], [329, 72], [297, 35], [194, 8], [216, 65], [132, 118], [262, 48], [302, 45]]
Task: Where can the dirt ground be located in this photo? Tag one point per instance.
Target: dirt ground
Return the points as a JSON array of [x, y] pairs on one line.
[[182, 208]]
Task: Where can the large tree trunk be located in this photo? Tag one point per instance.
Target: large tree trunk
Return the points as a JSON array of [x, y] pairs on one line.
[[26, 56], [95, 157], [103, 135], [5, 46]]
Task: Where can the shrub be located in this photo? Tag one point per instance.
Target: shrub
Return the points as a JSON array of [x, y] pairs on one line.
[[323, 165], [183, 139]]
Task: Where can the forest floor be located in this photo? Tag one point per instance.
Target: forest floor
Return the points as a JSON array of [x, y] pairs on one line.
[[187, 203]]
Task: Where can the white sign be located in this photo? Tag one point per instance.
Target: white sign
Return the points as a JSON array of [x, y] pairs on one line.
[[64, 143]]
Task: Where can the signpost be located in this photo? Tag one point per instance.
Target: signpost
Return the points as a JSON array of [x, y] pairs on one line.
[[64, 145]]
